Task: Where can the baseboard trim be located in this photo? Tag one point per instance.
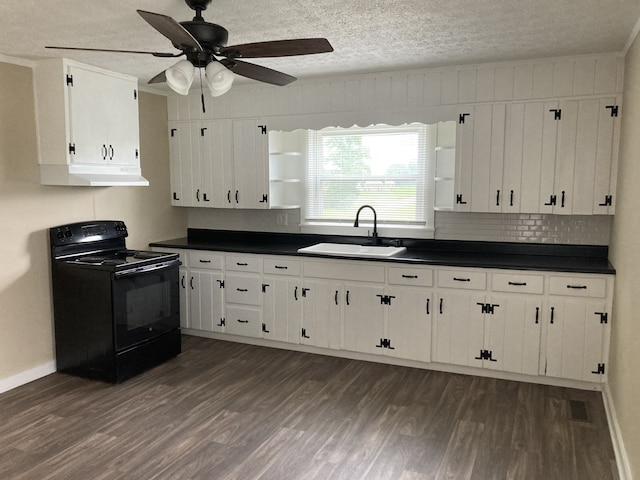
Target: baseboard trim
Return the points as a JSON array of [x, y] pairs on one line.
[[28, 376], [624, 469]]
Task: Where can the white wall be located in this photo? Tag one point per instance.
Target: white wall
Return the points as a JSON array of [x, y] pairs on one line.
[[624, 378], [28, 209]]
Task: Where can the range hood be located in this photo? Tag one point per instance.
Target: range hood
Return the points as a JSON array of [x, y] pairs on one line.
[[92, 176]]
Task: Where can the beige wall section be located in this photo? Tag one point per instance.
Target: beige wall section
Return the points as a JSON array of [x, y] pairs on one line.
[[624, 381], [27, 209]]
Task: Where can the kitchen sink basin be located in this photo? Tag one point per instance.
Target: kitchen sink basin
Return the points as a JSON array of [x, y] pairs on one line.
[[350, 250]]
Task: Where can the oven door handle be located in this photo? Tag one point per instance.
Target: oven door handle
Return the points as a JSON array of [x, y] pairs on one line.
[[149, 268]]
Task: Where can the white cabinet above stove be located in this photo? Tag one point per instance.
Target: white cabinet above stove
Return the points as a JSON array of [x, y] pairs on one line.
[[88, 131]]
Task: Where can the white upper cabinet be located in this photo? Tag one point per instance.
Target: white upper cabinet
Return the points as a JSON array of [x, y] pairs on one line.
[[88, 129]]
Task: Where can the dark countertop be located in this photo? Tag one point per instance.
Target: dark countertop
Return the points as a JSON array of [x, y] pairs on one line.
[[501, 255]]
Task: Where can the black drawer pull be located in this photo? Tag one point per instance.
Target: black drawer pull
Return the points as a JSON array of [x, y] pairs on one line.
[[409, 276], [191, 283], [577, 287], [427, 306], [497, 198], [243, 321], [461, 279], [182, 282], [281, 268], [241, 264], [537, 314], [347, 298], [204, 261], [335, 299], [242, 289], [518, 284], [552, 310], [441, 306]]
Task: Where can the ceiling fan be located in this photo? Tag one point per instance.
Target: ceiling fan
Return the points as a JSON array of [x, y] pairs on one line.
[[202, 42]]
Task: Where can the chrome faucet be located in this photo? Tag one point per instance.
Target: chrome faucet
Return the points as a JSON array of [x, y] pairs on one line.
[[376, 240]]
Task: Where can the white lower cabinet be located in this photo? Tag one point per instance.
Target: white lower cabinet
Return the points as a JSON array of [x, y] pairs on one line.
[[282, 309], [321, 313], [527, 323], [576, 339]]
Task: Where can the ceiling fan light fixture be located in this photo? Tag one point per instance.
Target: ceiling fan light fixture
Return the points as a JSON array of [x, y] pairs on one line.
[[180, 76], [219, 78]]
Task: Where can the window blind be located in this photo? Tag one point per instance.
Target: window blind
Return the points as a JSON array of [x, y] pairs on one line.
[[387, 167]]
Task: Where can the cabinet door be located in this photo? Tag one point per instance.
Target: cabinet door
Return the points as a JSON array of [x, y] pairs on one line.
[[282, 309], [363, 321], [217, 163], [180, 155], [321, 314], [459, 331], [565, 165], [87, 127], [184, 298], [205, 301], [512, 334], [597, 140], [464, 160], [409, 324], [575, 332], [121, 108], [251, 160]]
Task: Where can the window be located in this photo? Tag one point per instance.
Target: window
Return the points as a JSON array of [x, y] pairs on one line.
[[388, 167]]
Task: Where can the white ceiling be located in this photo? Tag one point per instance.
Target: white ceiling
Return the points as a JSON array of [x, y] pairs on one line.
[[367, 35]]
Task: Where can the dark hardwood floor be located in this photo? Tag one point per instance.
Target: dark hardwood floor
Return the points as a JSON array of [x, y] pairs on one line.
[[228, 411]]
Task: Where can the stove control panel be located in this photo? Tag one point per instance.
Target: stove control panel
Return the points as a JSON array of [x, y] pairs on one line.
[[87, 232]]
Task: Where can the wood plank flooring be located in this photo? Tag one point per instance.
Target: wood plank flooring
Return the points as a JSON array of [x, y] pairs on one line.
[[228, 411]]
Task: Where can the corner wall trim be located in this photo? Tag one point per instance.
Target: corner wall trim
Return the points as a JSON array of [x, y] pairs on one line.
[[27, 376], [624, 469]]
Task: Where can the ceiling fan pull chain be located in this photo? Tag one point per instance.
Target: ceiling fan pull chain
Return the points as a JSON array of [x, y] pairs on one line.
[[201, 92]]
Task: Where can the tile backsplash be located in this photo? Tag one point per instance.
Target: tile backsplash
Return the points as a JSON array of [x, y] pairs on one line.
[[524, 227], [488, 227]]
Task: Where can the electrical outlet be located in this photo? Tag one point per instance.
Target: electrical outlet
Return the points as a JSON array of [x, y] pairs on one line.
[[282, 219]]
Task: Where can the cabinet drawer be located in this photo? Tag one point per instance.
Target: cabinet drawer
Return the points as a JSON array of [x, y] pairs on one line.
[[354, 271], [578, 286], [243, 321], [243, 264], [278, 266], [462, 279], [516, 283], [421, 277], [243, 289], [206, 260]]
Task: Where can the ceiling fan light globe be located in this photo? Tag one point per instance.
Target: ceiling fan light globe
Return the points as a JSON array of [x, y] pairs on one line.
[[219, 79], [180, 77]]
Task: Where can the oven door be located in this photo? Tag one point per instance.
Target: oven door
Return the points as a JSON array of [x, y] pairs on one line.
[[146, 303]]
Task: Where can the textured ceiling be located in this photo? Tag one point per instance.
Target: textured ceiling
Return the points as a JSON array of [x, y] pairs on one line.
[[373, 35]]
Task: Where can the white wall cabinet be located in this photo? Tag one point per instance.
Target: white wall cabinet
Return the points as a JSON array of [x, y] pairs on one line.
[[219, 164], [87, 125]]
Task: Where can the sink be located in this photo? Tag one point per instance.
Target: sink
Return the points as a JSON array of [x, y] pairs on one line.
[[350, 250]]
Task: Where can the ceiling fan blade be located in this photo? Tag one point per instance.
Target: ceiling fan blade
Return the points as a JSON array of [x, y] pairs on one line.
[[278, 48], [155, 54], [171, 29], [258, 72], [160, 78]]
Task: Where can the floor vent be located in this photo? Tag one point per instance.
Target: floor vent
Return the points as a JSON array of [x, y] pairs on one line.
[[578, 410]]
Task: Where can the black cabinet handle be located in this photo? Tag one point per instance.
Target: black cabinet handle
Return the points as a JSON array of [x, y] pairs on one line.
[[441, 306], [281, 268], [242, 289], [229, 196], [191, 283], [111, 152], [295, 293], [497, 198], [562, 201], [537, 314], [243, 321], [204, 261], [236, 196], [427, 306], [240, 264], [518, 284], [577, 287], [335, 298], [348, 298], [511, 199], [552, 311], [409, 276], [461, 279], [198, 194], [104, 151], [182, 282]]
